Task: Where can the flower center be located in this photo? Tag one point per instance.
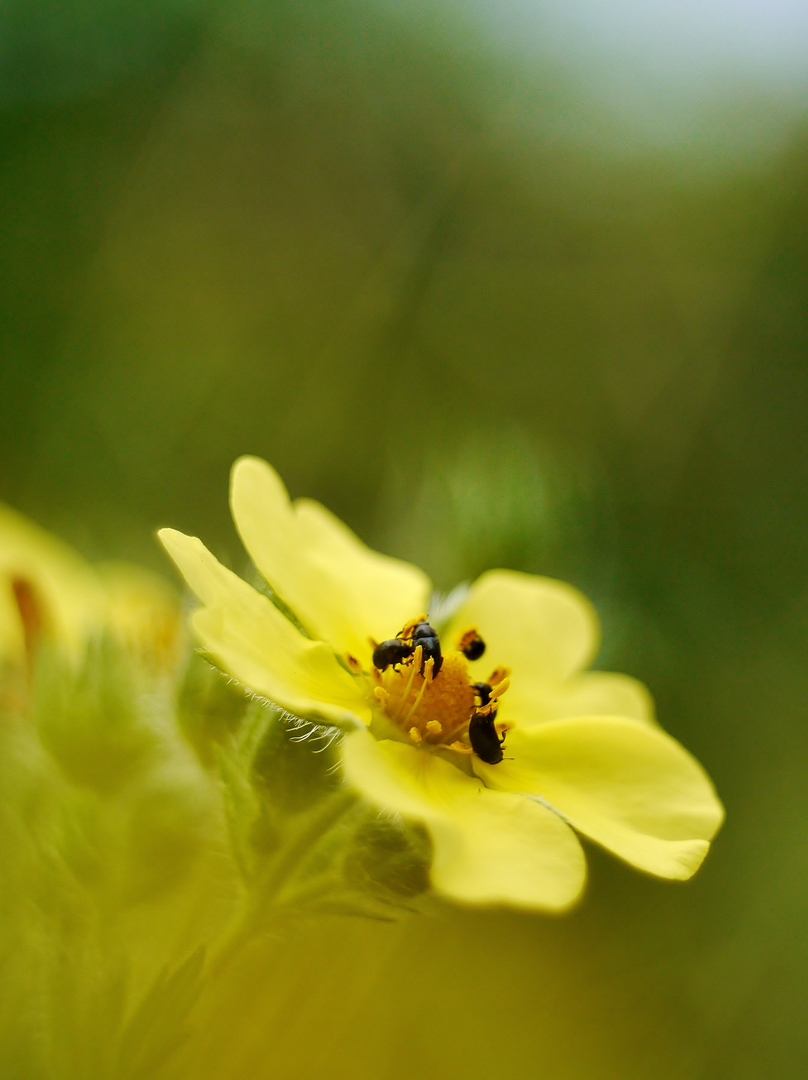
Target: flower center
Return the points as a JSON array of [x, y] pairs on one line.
[[429, 695], [428, 708]]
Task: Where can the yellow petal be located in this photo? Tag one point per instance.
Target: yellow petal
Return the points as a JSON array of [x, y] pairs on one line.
[[541, 629], [490, 847], [58, 580], [253, 641], [339, 589], [595, 693], [627, 785]]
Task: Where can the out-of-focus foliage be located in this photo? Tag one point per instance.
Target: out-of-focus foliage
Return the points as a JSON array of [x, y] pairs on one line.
[[357, 244], [157, 825]]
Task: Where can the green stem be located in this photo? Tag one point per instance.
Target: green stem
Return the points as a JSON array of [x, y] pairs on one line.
[[293, 854], [303, 841]]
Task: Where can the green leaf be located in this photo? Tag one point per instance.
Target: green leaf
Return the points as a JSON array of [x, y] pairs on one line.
[[158, 1028]]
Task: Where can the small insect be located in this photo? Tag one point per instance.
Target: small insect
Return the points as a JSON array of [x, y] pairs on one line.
[[486, 742], [471, 644], [425, 635], [394, 651], [483, 691]]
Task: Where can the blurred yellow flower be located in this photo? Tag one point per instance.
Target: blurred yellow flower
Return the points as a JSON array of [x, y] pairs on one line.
[[47, 591], [46, 588], [142, 612], [428, 709]]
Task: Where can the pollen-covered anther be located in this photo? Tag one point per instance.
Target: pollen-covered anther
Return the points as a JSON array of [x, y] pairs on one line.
[[415, 735], [408, 628], [460, 747], [498, 675], [381, 695], [433, 727], [500, 689]]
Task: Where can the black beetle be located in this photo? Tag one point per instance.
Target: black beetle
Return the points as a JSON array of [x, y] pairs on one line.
[[472, 645], [425, 635], [393, 651], [485, 740]]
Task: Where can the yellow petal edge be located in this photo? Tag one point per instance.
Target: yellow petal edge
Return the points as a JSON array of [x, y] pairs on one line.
[[624, 784], [250, 638], [490, 847], [540, 628], [341, 590]]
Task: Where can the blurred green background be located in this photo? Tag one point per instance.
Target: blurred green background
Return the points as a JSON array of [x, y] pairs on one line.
[[517, 286]]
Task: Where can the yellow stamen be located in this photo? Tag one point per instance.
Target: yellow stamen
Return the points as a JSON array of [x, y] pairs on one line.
[[498, 675], [434, 712], [416, 664], [469, 634], [410, 626], [427, 680], [500, 689], [459, 748]]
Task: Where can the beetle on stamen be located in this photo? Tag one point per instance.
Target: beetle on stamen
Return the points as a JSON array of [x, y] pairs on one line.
[[430, 697], [391, 653], [485, 739]]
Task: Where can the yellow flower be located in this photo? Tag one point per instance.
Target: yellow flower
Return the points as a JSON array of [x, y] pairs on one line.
[[47, 591], [426, 720]]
